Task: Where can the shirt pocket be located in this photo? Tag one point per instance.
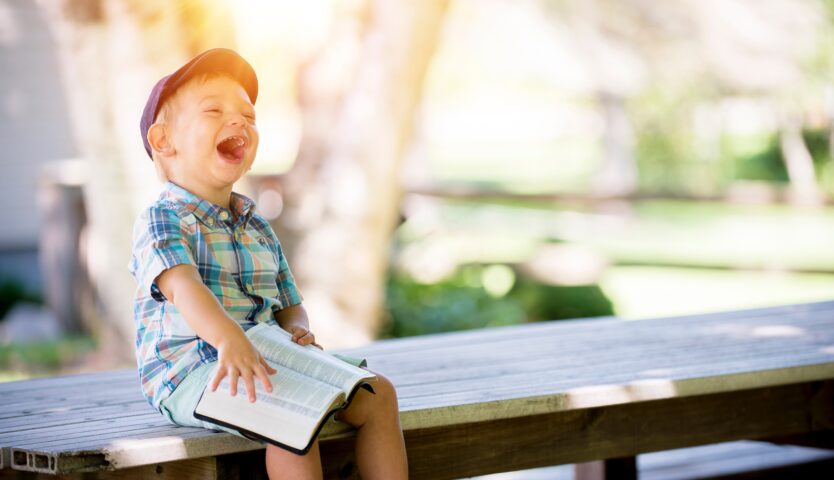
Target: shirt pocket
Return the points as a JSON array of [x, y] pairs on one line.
[[265, 267]]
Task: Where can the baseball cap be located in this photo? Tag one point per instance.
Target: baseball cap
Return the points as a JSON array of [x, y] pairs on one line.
[[221, 60]]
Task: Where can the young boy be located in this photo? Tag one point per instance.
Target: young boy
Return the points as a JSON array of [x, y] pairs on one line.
[[208, 267]]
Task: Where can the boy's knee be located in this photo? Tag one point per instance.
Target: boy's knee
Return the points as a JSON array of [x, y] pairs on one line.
[[385, 391], [367, 405]]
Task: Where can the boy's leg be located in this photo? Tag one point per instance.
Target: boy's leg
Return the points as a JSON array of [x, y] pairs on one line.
[[282, 464], [380, 448]]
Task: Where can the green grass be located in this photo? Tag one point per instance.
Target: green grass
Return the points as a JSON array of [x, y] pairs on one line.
[[20, 360], [646, 292], [665, 258], [657, 232], [13, 376], [566, 165], [773, 237]]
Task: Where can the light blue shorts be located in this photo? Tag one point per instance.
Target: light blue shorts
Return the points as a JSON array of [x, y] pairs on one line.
[[179, 407]]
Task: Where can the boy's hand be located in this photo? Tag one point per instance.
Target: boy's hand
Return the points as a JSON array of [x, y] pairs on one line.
[[302, 336], [236, 357]]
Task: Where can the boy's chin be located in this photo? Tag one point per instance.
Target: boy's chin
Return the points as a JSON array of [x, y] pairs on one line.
[[229, 171]]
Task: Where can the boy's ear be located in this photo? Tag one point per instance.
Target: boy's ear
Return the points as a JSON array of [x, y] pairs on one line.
[[158, 139]]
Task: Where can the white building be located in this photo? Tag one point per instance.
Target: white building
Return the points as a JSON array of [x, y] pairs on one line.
[[34, 130]]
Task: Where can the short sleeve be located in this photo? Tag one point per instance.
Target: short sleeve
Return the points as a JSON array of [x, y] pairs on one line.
[[160, 242]]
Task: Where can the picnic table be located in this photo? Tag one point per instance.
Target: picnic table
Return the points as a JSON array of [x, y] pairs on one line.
[[597, 390]]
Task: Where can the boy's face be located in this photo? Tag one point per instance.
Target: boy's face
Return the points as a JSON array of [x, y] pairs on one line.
[[212, 132]]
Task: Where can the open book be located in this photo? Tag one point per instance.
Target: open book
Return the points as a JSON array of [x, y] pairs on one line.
[[310, 386]]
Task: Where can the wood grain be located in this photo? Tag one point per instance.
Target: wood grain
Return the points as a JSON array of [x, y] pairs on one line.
[[455, 384], [606, 432]]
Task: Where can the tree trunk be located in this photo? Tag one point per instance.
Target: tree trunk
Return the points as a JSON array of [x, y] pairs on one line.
[[342, 197], [111, 54], [617, 175], [804, 189]]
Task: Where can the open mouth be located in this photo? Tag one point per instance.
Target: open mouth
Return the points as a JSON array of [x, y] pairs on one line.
[[232, 148]]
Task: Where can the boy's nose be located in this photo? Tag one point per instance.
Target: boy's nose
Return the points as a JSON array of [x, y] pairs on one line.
[[236, 119]]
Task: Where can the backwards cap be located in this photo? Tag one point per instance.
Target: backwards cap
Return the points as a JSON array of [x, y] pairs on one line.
[[219, 60]]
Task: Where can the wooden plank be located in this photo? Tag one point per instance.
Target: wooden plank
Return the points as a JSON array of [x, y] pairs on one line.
[[25, 406], [738, 354], [580, 336], [411, 420], [194, 469], [169, 443], [446, 417], [101, 428], [79, 415], [607, 432], [509, 402], [65, 381], [744, 459], [418, 380], [424, 343], [494, 376], [630, 341]]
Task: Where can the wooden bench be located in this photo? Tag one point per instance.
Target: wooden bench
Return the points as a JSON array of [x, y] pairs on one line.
[[485, 401]]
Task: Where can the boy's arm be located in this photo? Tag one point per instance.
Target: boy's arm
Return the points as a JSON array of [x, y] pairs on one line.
[[236, 357], [294, 320]]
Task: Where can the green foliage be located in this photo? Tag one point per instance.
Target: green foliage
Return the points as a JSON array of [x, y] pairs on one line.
[[670, 157], [12, 292], [552, 302], [459, 304], [817, 142], [44, 357], [417, 309], [767, 164]]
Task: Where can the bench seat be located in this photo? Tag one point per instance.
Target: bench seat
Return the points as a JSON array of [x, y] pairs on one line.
[[490, 400]]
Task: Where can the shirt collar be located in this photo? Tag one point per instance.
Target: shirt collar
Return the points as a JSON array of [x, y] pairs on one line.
[[207, 212]]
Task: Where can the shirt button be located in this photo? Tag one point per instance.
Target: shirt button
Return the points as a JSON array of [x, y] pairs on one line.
[[224, 215], [210, 221], [250, 287]]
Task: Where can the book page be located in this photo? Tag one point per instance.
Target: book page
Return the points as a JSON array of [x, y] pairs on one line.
[[291, 391], [289, 414], [276, 345]]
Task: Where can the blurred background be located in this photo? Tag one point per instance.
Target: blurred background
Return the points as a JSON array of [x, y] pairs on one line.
[[435, 165]]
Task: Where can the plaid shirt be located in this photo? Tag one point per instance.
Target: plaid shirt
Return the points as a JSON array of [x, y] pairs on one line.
[[240, 261]]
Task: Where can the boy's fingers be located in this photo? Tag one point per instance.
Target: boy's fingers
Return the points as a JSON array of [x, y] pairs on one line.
[[249, 380], [218, 377], [264, 378], [233, 376], [303, 337], [298, 332], [268, 367]]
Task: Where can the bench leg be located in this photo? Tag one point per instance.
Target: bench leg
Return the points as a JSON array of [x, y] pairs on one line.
[[624, 468]]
